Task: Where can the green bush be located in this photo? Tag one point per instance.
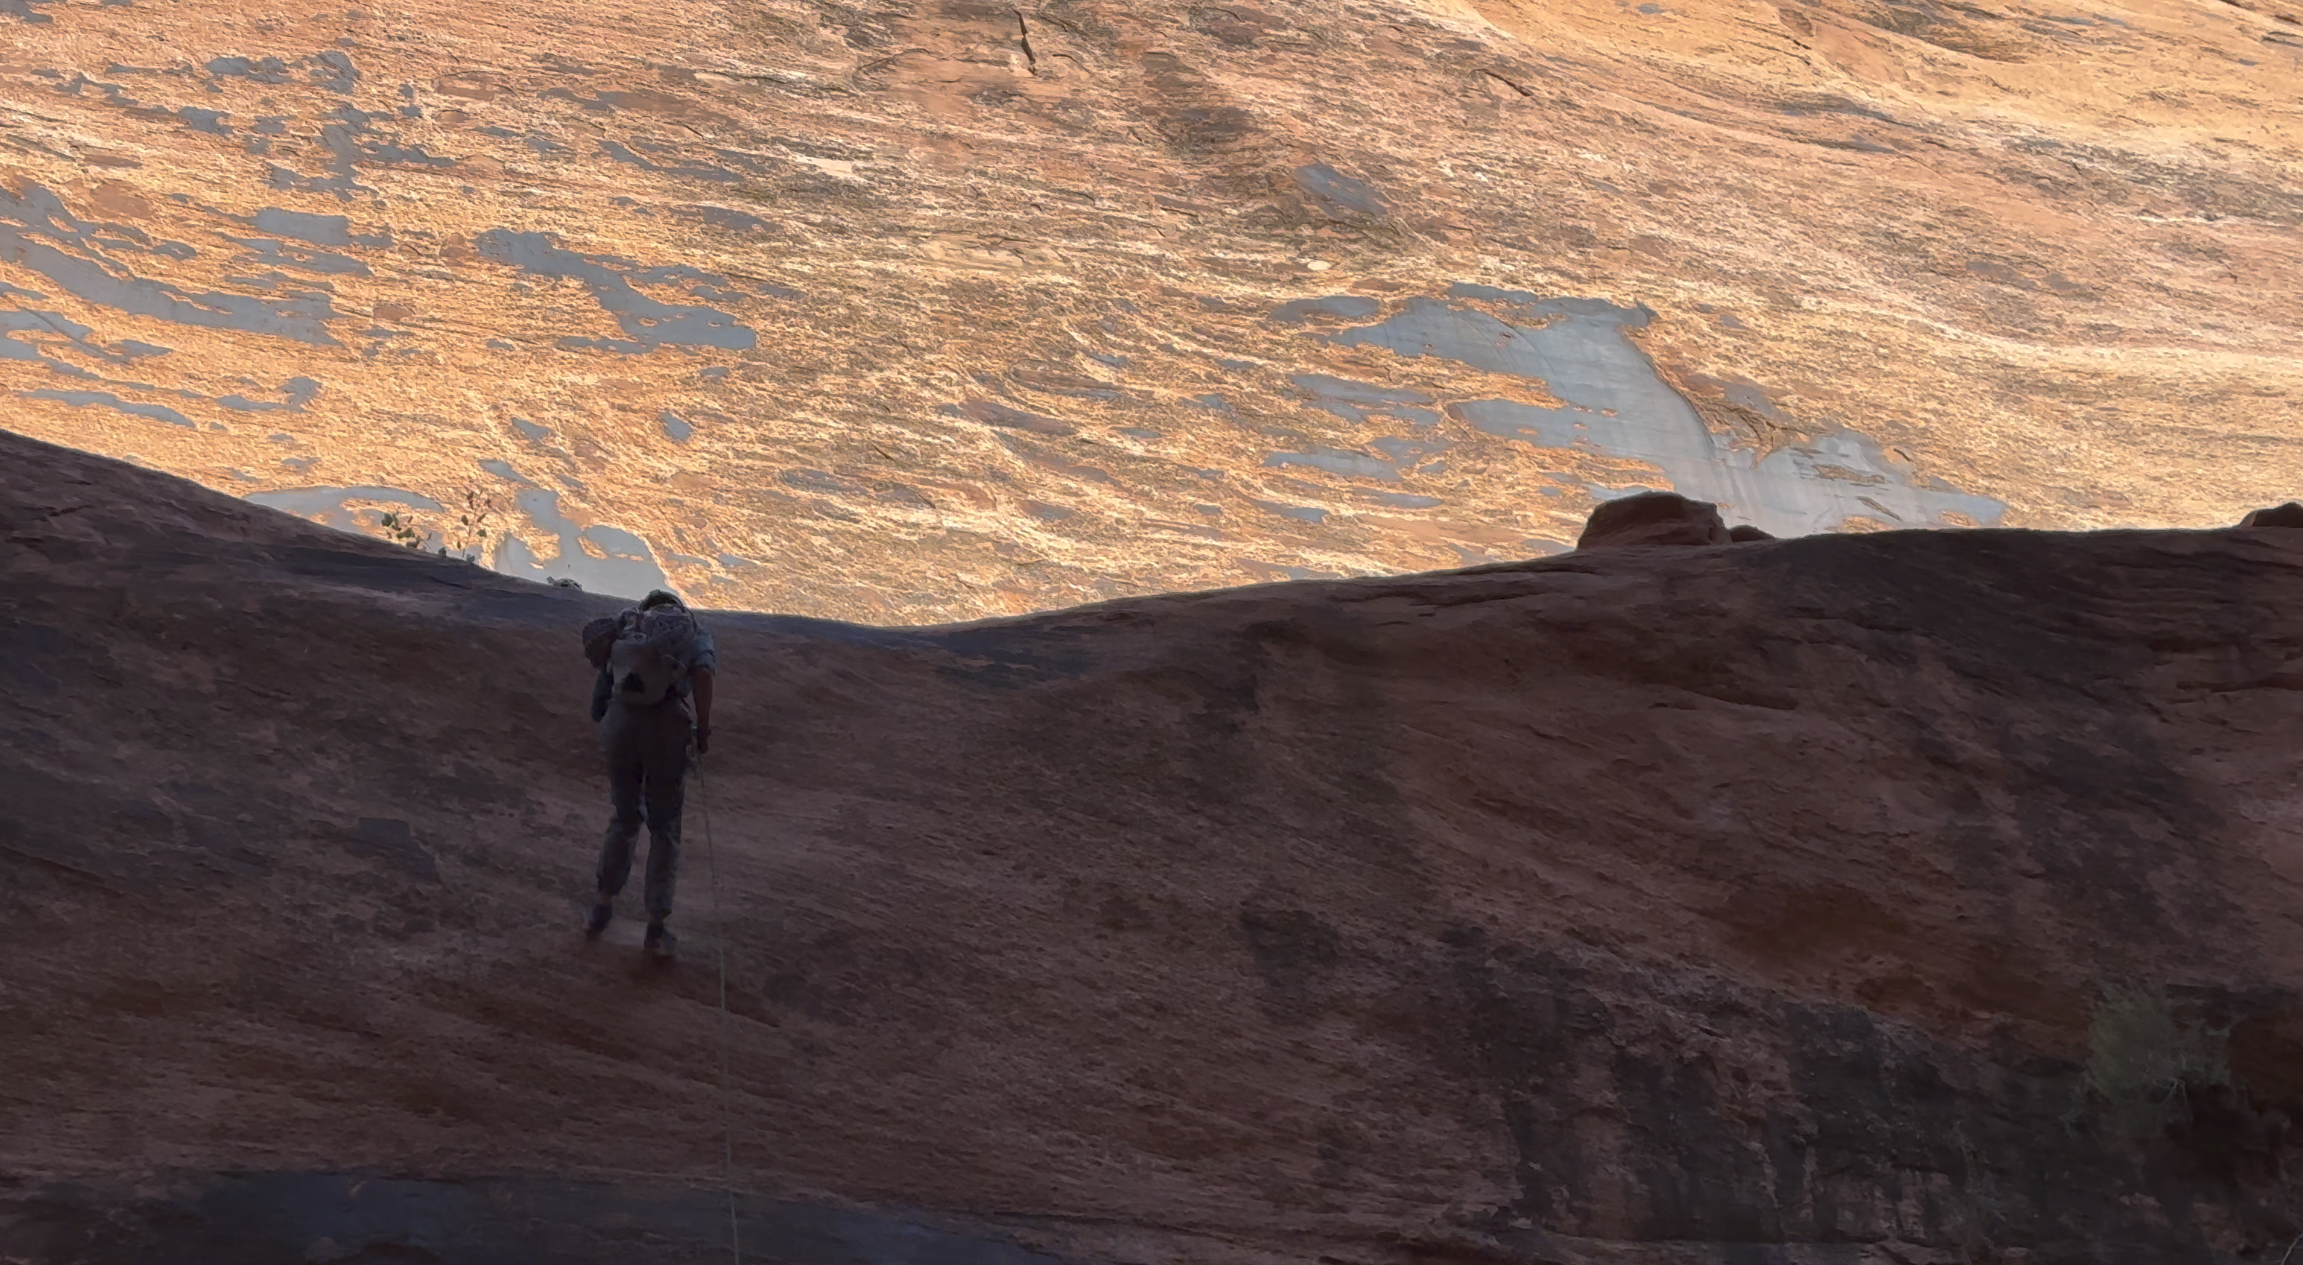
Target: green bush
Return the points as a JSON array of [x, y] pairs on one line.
[[401, 529], [466, 539], [2144, 1062]]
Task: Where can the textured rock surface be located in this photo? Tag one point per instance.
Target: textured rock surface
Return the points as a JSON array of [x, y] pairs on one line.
[[2288, 515], [261, 1218], [1654, 518], [1702, 905], [931, 309]]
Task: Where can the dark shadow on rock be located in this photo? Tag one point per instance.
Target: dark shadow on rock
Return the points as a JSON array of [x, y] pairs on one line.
[[291, 1217], [2288, 515], [1653, 518]]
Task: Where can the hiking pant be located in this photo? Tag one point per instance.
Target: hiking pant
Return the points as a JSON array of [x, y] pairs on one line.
[[647, 750]]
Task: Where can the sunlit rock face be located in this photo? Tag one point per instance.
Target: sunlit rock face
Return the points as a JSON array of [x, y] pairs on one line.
[[944, 309]]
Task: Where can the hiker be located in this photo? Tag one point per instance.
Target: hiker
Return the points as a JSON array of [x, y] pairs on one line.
[[651, 698]]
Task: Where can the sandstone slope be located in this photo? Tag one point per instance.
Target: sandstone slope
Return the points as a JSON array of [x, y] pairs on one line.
[[1734, 904], [936, 309]]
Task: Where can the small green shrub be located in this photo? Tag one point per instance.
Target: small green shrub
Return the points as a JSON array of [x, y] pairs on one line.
[[470, 538], [2144, 1062], [401, 529], [467, 538]]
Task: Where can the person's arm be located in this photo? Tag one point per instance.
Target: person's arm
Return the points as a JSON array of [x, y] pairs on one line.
[[599, 640], [702, 679]]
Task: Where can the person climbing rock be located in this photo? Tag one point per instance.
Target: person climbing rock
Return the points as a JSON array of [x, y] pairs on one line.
[[652, 702]]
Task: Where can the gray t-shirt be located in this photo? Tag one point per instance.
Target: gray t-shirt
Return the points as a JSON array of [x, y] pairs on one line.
[[697, 650]]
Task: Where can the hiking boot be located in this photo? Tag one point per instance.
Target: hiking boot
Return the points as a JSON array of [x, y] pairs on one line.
[[660, 942], [598, 922]]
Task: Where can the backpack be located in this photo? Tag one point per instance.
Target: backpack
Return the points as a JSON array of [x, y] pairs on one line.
[[644, 655]]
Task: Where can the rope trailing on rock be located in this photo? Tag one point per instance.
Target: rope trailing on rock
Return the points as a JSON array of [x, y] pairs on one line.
[[720, 953]]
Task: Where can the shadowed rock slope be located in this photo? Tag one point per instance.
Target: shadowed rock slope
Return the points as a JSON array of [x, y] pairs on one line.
[[1740, 904]]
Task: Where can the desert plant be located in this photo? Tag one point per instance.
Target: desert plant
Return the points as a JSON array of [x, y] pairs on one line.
[[470, 537], [2144, 1062], [467, 538], [401, 529]]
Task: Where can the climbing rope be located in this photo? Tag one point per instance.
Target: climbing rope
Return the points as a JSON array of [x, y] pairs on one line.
[[720, 952]]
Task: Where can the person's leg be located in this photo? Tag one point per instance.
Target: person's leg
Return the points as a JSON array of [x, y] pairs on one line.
[[666, 793], [622, 740]]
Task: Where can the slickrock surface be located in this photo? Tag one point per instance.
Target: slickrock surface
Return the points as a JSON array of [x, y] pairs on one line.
[[1655, 518], [1738, 905], [925, 310]]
